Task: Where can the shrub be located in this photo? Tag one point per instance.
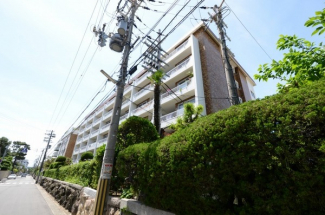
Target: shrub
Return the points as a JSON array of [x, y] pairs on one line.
[[80, 173], [260, 157], [86, 156], [61, 159]]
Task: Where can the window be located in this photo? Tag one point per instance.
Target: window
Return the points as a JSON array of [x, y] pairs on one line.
[[237, 84], [240, 100], [143, 103]]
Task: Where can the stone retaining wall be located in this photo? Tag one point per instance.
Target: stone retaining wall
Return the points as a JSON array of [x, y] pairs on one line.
[[81, 200]]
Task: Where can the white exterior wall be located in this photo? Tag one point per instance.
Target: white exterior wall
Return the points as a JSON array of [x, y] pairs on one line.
[[197, 72]]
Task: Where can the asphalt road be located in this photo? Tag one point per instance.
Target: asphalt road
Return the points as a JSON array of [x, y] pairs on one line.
[[21, 196]]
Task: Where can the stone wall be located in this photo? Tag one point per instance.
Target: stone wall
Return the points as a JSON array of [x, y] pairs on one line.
[[4, 174], [81, 200]]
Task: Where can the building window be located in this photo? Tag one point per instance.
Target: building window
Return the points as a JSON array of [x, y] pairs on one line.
[[142, 103]]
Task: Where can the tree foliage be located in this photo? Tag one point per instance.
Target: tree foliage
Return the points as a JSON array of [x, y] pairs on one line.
[[260, 157], [17, 151], [86, 156], [191, 113], [303, 63], [317, 21], [4, 143]]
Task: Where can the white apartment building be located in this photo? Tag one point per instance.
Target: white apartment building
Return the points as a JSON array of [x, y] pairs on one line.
[[195, 74], [65, 145]]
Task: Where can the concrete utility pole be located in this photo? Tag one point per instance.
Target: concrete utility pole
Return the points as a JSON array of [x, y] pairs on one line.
[[232, 88], [103, 186], [48, 139]]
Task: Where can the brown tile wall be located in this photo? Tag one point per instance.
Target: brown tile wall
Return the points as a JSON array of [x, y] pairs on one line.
[[214, 78], [70, 146], [238, 76]]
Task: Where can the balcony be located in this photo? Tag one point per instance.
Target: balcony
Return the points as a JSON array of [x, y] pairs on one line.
[[105, 127], [179, 48], [172, 115], [86, 137], [88, 125], [96, 121], [83, 149], [75, 151], [142, 78], [110, 102], [92, 146], [178, 67], [124, 117], [145, 89], [126, 102], [93, 133], [145, 107], [107, 114], [177, 89], [102, 141]]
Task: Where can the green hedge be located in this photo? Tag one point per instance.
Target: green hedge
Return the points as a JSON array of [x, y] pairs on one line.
[[260, 157], [81, 173]]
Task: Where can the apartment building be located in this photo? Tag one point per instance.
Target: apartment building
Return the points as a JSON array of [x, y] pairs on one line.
[[195, 74]]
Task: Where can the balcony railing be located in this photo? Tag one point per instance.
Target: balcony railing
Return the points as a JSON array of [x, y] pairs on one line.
[[178, 67], [105, 126], [143, 107], [177, 89], [88, 125], [86, 136], [95, 132], [172, 115], [108, 113], [97, 120], [91, 146], [101, 141], [145, 89], [125, 102], [144, 76], [76, 150], [124, 116], [83, 148], [182, 46], [110, 102]]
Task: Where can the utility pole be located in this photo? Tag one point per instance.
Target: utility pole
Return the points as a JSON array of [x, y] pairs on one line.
[[48, 139], [232, 88], [153, 55], [103, 186]]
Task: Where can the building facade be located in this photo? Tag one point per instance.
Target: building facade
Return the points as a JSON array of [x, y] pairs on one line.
[[195, 74]]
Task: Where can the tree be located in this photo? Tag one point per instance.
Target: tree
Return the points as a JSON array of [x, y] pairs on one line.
[[6, 163], [156, 80], [86, 156], [191, 113], [18, 151], [302, 64], [4, 143]]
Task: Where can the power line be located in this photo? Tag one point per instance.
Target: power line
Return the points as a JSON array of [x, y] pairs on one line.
[[73, 63], [249, 32]]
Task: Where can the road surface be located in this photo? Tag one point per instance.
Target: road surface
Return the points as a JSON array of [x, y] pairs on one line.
[[21, 196]]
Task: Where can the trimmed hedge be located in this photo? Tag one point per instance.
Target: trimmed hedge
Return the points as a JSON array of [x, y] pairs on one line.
[[86, 156], [81, 173], [260, 157]]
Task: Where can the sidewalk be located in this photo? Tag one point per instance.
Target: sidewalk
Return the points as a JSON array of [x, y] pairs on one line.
[[55, 207]]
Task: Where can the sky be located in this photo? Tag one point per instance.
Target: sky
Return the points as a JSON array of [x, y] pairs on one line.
[[50, 60]]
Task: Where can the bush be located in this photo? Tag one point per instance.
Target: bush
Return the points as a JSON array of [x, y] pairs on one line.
[[61, 159], [260, 157], [86, 156], [81, 173]]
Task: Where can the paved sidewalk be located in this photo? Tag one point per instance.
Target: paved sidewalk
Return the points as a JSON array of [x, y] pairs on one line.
[[55, 207]]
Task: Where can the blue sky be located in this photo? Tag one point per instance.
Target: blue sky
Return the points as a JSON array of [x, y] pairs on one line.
[[40, 39]]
